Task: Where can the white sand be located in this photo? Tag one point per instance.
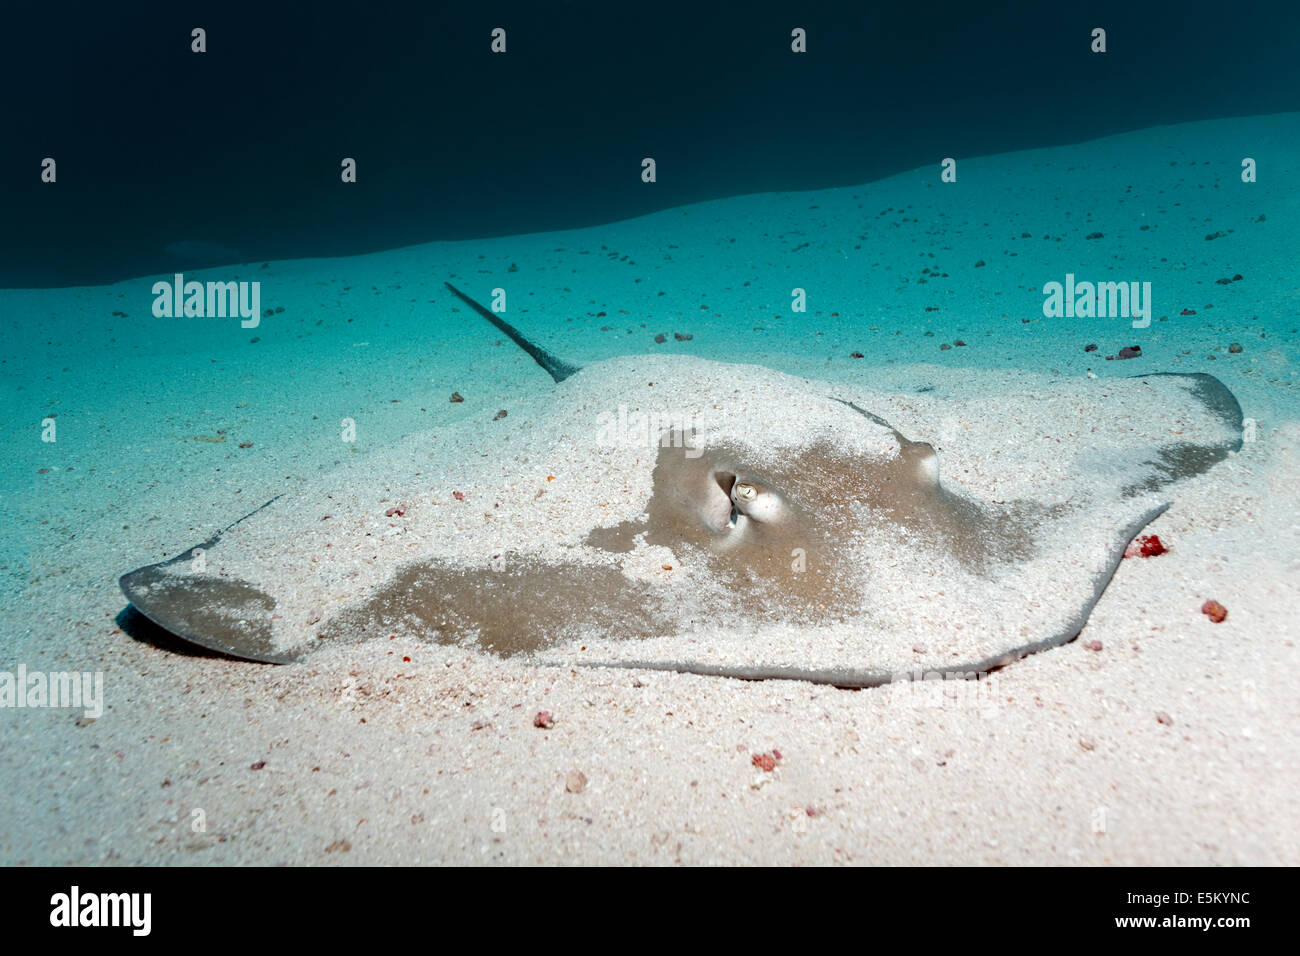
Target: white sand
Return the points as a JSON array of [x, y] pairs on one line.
[[372, 758]]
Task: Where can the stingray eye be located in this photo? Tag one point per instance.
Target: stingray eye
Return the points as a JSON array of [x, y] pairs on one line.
[[743, 491]]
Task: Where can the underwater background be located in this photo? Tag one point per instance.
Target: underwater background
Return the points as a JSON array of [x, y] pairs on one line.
[[923, 172], [235, 151]]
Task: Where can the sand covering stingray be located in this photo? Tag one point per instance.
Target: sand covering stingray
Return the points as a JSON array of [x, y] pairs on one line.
[[720, 519]]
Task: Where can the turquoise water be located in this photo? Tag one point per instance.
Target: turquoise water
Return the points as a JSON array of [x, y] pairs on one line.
[[152, 414]]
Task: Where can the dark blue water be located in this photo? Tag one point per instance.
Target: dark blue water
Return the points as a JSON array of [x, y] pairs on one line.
[[234, 154]]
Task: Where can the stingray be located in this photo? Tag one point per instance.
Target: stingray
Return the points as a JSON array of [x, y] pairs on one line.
[[674, 513]]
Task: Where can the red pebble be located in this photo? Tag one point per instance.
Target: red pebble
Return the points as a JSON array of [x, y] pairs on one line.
[[458, 495], [1151, 546], [398, 510], [544, 720], [1147, 546], [764, 762], [1092, 645], [1215, 611]]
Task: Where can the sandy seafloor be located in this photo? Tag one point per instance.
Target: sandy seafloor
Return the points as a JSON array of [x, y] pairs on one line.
[[1175, 743]]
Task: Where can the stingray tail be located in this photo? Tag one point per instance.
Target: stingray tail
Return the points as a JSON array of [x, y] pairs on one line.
[[557, 368]]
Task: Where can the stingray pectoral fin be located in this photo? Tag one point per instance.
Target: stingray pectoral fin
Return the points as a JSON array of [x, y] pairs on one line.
[[855, 677], [214, 611], [219, 613]]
